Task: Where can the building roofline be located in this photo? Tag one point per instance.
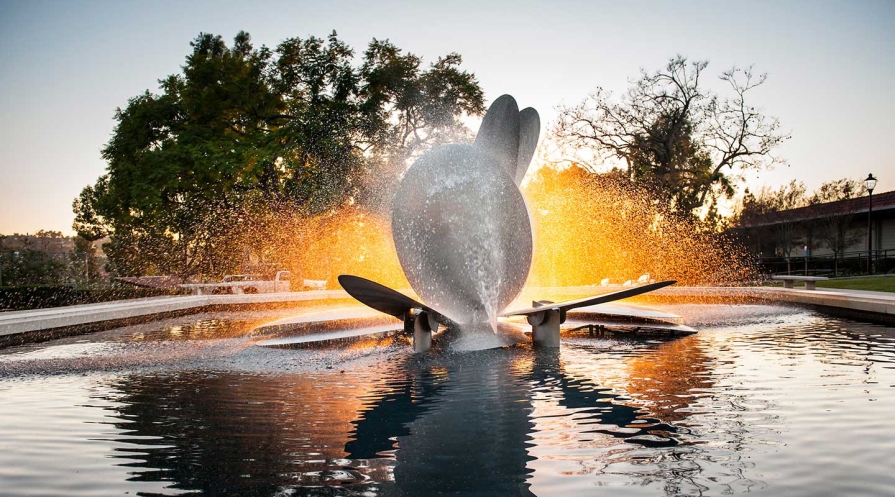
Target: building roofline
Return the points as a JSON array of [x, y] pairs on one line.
[[860, 205]]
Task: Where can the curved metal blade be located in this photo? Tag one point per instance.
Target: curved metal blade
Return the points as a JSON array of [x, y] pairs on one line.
[[499, 133], [383, 298], [529, 130], [599, 299]]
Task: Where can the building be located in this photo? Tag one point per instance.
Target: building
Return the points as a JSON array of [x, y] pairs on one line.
[[825, 238]]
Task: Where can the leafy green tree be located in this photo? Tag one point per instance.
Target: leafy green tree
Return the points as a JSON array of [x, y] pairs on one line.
[[412, 111], [242, 135], [89, 224], [670, 133], [83, 263], [30, 267]]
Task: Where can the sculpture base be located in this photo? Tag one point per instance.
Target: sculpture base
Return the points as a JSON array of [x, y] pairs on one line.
[[545, 328], [420, 324]]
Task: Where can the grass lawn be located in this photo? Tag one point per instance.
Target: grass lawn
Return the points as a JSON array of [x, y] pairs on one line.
[[881, 284]]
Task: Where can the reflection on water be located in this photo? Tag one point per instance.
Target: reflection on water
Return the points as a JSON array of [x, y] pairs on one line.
[[784, 401], [234, 434]]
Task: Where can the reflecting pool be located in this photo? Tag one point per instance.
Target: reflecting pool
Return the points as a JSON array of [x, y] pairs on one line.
[[764, 398]]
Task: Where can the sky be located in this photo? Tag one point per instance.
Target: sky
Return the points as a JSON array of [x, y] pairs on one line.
[[66, 66]]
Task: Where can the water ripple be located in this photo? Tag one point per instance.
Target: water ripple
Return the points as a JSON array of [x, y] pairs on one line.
[[762, 399]]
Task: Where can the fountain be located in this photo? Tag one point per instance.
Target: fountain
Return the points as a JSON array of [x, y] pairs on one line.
[[189, 404], [464, 239]]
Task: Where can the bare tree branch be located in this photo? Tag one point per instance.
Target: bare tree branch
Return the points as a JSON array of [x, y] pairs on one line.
[[683, 139]]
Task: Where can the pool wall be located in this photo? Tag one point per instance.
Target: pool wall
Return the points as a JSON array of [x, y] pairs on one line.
[[18, 327]]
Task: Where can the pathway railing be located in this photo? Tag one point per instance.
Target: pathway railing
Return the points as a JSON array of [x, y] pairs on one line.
[[845, 264]]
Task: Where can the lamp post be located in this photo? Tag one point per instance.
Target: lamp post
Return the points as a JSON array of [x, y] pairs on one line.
[[870, 183]]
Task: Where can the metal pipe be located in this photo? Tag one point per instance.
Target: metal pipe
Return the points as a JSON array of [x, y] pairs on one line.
[[869, 235], [870, 183]]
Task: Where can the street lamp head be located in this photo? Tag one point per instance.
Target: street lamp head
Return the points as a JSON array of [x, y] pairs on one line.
[[870, 182]]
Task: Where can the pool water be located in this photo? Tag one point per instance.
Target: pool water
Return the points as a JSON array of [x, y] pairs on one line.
[[764, 398]]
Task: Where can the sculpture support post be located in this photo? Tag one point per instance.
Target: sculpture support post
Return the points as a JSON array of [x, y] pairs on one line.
[[545, 328], [422, 325]]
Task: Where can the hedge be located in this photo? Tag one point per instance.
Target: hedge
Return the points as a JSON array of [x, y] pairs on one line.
[[39, 297]]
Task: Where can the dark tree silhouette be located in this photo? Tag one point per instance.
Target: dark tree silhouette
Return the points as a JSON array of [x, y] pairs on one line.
[[242, 135], [671, 133]]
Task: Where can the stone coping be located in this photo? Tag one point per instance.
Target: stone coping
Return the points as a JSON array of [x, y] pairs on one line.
[[13, 322], [872, 306]]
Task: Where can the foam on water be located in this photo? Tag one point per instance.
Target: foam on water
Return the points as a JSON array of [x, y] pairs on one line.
[[485, 335]]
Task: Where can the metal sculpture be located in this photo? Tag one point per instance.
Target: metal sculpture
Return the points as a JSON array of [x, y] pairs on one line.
[[464, 238]]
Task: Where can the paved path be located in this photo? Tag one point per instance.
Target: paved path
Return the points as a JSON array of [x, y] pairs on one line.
[[31, 325]]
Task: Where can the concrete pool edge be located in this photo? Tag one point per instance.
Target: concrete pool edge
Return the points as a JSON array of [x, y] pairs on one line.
[[18, 327]]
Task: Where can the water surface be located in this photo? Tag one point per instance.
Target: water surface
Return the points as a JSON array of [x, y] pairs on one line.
[[764, 398]]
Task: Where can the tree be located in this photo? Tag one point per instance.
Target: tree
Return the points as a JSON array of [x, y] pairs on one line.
[[29, 267], [414, 111], [832, 229], [786, 214], [837, 190], [88, 223], [770, 215], [670, 133], [83, 264], [204, 169]]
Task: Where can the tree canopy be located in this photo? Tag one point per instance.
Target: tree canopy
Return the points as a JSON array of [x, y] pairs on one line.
[[833, 230], [244, 134], [786, 233], [672, 134], [836, 190]]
